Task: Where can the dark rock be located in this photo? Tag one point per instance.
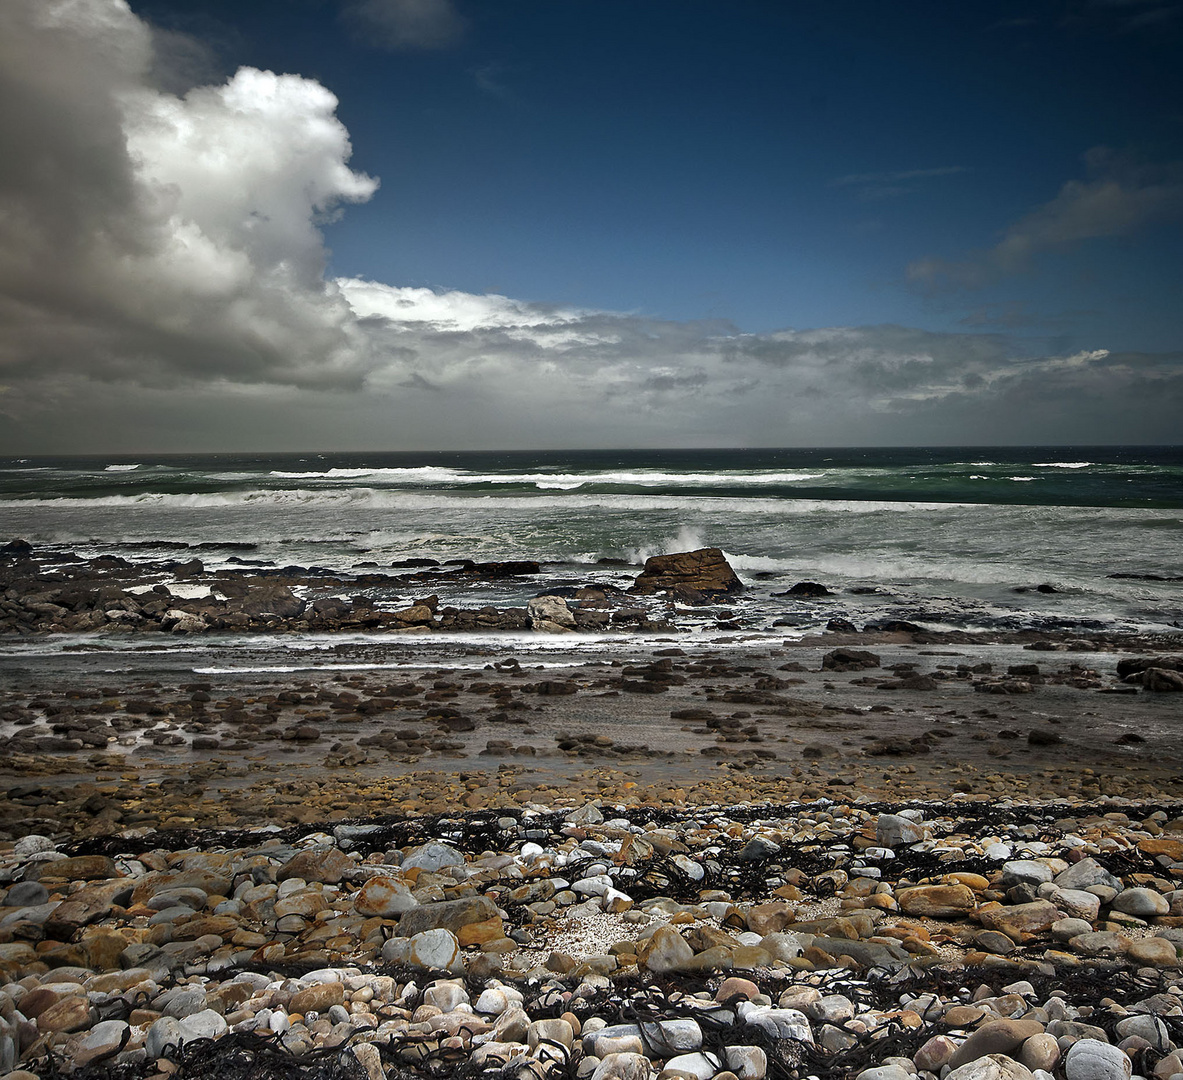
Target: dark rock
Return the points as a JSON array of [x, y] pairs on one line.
[[331, 607], [1143, 577], [910, 682], [642, 686], [893, 626], [841, 626], [555, 687], [850, 660], [1043, 737], [270, 598], [1134, 665], [898, 747], [505, 569], [16, 549], [690, 575], [1162, 680], [807, 588]]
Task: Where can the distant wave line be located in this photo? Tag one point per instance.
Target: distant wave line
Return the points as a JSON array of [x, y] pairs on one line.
[[383, 499]]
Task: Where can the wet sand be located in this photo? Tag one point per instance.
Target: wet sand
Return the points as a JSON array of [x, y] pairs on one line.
[[190, 738]]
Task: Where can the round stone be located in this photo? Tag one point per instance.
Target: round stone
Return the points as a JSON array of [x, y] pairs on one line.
[[1142, 903], [1091, 1059]]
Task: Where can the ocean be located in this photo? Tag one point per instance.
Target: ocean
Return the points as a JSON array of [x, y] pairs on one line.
[[951, 538]]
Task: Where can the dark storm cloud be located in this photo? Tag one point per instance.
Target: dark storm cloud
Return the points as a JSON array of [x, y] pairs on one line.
[[159, 238]]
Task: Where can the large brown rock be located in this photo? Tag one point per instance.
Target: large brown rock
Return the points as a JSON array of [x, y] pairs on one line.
[[69, 1014], [78, 868], [1021, 920], [209, 881], [86, 905], [328, 865], [691, 576], [1162, 845], [319, 998], [771, 918], [447, 915], [995, 1037], [937, 901]]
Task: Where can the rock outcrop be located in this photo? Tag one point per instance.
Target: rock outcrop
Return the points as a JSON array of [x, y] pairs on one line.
[[693, 577]]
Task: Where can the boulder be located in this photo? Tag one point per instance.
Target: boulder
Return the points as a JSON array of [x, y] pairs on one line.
[[104, 1039], [180, 621], [666, 951], [436, 949], [415, 615], [1091, 1059], [1085, 873], [891, 830], [328, 865], [1162, 680], [85, 905], [937, 901], [779, 1023], [691, 576], [1020, 920], [995, 1037], [272, 599], [385, 897], [319, 998], [1142, 903], [991, 1067], [850, 660], [627, 1066], [77, 868], [433, 857], [447, 914], [550, 609], [1154, 951]]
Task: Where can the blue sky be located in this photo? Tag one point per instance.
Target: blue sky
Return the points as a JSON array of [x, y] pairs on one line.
[[773, 164], [971, 205]]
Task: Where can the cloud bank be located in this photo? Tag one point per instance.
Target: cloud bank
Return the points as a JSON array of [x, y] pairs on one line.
[[163, 286]]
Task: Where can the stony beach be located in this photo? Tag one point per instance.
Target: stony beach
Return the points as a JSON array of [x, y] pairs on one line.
[[878, 848]]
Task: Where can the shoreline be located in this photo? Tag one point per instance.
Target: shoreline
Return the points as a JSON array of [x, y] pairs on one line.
[[204, 854]]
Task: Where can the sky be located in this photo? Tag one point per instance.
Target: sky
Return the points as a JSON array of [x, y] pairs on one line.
[[531, 224]]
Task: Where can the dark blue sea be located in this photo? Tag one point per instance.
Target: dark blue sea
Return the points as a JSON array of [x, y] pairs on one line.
[[953, 538]]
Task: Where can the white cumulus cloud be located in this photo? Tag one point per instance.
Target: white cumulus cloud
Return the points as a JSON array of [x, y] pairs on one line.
[[158, 236], [163, 285]]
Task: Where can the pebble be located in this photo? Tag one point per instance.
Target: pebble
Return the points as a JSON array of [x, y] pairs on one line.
[[500, 951], [1092, 1059]]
